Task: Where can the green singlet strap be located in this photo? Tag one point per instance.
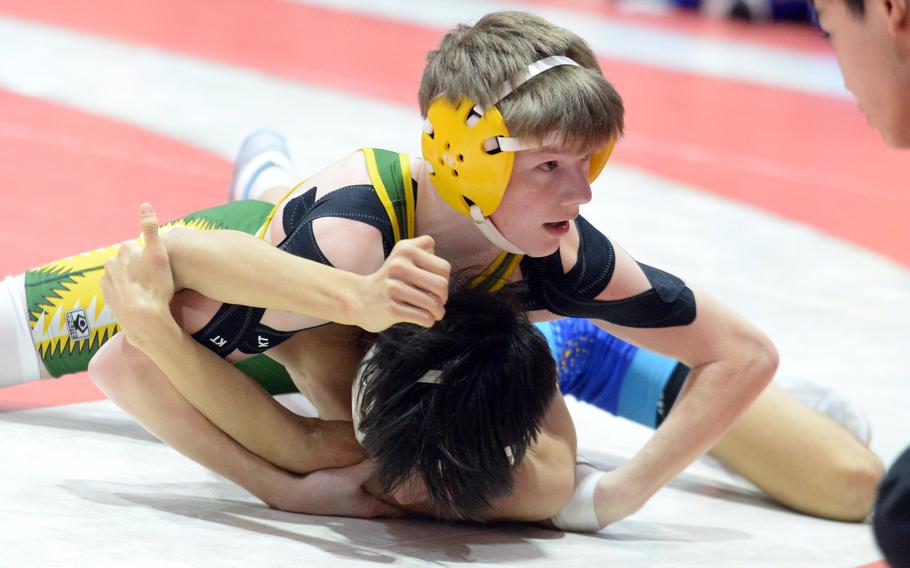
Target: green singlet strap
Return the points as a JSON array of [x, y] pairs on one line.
[[498, 273], [391, 176]]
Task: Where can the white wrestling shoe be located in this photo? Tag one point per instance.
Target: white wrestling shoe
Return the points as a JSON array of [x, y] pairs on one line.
[[262, 163], [830, 404]]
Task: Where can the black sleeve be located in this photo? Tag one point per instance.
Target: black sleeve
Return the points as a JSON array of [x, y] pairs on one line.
[[668, 303], [356, 202]]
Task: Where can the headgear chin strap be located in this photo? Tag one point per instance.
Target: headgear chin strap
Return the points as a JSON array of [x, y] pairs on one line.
[[471, 154], [489, 230]]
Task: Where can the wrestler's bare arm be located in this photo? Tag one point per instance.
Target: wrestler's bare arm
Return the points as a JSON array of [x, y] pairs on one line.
[[235, 267], [138, 291], [141, 281], [370, 291], [731, 362]]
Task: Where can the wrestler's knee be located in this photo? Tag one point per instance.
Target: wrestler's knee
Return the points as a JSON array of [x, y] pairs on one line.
[[118, 367], [857, 477]]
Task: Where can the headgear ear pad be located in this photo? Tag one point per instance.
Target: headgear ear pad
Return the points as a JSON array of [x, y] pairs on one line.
[[464, 172]]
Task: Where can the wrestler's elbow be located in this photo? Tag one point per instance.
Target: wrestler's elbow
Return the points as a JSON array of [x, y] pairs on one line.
[[175, 240], [764, 359], [181, 243], [756, 360], [317, 444]]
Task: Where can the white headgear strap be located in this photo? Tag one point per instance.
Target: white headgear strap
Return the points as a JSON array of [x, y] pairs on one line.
[[509, 144], [430, 377]]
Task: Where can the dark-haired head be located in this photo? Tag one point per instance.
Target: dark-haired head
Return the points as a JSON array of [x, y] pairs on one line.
[[460, 429]]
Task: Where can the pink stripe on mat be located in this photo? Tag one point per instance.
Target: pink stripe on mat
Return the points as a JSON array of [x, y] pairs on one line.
[[64, 173]]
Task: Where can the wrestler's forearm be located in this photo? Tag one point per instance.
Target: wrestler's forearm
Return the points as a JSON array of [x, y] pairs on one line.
[[731, 362], [211, 448], [138, 387], [235, 267], [716, 394], [241, 408]]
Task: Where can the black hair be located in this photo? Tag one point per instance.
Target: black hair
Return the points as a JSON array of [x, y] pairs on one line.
[[464, 435], [858, 7]]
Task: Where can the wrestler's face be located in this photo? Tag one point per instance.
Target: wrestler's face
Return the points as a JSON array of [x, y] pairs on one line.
[[873, 51], [547, 187]]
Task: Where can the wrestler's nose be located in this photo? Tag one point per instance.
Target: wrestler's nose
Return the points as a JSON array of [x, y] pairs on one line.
[[578, 190]]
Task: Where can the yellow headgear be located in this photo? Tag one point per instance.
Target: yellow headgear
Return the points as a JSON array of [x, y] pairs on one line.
[[471, 153]]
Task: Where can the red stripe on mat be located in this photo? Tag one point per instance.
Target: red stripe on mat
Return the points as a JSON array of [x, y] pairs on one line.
[[63, 172], [40, 394], [805, 157], [879, 564]]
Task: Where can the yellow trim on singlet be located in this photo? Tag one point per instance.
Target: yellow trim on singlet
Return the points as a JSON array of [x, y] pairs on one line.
[[496, 267], [410, 206], [508, 272], [260, 234], [381, 190], [495, 276], [501, 269]]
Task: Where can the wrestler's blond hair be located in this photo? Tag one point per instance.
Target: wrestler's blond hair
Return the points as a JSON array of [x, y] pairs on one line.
[[474, 61]]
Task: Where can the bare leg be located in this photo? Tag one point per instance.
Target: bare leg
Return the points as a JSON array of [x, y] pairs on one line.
[[802, 458]]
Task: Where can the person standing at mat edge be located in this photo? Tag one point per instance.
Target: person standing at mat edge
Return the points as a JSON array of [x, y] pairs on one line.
[[872, 41]]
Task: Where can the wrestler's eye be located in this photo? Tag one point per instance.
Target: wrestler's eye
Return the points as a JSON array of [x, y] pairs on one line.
[[548, 166]]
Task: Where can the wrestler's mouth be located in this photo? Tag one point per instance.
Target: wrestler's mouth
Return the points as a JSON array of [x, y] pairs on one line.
[[558, 228]]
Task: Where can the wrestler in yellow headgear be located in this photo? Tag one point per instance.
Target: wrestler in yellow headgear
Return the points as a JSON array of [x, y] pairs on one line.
[[471, 153]]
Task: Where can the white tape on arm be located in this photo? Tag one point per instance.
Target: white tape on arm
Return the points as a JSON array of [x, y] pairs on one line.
[[579, 514]]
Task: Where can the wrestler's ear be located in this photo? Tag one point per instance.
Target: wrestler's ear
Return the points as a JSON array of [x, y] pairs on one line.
[[895, 14]]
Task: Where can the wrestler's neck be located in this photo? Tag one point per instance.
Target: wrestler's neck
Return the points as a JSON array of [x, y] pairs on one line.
[[457, 239]]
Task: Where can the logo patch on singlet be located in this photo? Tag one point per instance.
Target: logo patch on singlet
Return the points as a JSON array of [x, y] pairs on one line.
[[77, 325]]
